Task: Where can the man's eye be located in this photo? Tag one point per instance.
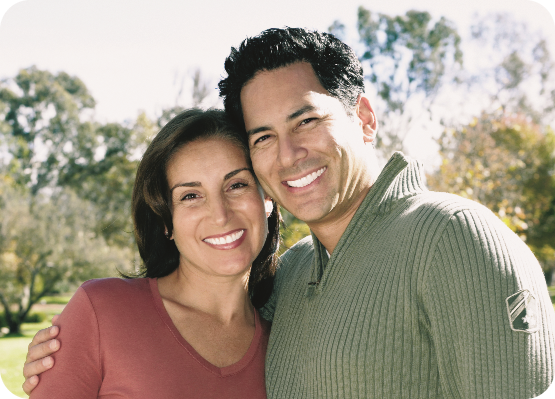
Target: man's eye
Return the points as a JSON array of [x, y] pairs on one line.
[[235, 186], [261, 139], [307, 121]]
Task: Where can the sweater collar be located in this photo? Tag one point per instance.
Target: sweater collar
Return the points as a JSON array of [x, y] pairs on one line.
[[400, 178]]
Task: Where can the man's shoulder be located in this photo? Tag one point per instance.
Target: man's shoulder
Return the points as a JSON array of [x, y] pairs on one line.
[[444, 205]]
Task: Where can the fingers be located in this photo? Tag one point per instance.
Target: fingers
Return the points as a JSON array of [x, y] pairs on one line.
[[38, 359], [40, 351], [40, 337], [30, 371], [55, 318], [30, 384]]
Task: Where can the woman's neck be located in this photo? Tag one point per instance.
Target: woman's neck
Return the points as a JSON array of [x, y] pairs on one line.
[[225, 299]]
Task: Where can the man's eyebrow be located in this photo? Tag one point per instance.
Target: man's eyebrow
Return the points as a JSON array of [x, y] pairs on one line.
[[290, 117], [300, 111], [233, 173], [198, 184]]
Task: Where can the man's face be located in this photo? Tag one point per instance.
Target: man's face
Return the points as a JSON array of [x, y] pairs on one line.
[[308, 154]]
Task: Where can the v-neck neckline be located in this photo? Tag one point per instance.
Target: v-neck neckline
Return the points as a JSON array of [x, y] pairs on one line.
[[220, 371]]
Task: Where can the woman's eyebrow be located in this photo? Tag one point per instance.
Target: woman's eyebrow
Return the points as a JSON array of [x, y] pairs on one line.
[[199, 184], [188, 184]]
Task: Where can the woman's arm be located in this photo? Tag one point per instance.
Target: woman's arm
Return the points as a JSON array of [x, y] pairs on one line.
[[78, 370]]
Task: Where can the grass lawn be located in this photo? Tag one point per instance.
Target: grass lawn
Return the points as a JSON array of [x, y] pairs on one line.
[[14, 349]]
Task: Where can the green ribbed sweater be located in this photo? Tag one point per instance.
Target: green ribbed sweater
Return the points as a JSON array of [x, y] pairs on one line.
[[411, 304]]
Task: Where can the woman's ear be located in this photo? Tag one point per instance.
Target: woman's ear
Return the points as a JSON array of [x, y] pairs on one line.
[[268, 205], [167, 235]]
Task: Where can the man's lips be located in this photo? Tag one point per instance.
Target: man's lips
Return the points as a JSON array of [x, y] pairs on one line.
[[224, 239], [306, 180]]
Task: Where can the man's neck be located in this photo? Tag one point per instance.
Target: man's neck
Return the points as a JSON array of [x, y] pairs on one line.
[[329, 232]]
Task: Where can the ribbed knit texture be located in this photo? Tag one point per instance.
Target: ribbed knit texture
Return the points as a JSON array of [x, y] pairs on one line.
[[411, 304]]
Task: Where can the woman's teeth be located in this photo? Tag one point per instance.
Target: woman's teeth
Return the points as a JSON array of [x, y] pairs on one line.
[[226, 239]]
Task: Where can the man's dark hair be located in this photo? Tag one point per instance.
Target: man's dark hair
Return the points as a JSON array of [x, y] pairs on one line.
[[152, 203], [335, 64]]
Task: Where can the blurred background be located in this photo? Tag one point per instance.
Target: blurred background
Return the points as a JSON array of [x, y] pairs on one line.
[[468, 88]]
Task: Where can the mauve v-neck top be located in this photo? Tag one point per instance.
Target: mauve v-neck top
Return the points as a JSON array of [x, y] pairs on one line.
[[118, 341]]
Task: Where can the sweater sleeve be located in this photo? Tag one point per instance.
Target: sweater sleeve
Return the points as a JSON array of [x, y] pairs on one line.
[[77, 371], [488, 311]]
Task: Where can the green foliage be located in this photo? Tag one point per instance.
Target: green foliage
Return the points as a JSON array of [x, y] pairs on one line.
[[42, 125], [53, 145], [507, 163], [293, 231], [55, 300], [45, 240], [34, 317]]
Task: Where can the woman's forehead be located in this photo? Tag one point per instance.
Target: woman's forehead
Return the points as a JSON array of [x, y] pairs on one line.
[[211, 154]]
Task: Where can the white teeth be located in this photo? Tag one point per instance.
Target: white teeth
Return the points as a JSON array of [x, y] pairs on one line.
[[225, 240], [305, 181]]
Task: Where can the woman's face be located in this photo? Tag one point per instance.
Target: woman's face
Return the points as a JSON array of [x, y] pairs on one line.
[[219, 221]]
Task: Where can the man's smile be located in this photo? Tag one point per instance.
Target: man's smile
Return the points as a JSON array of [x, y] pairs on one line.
[[306, 180]]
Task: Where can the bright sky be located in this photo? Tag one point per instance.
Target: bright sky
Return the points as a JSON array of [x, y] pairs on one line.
[[134, 54]]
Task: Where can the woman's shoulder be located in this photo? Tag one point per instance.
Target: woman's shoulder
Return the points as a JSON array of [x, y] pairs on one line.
[[116, 287]]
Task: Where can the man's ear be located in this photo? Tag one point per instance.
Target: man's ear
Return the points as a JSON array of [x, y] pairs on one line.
[[268, 205], [367, 118]]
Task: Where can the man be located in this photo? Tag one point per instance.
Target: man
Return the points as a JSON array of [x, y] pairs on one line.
[[399, 292]]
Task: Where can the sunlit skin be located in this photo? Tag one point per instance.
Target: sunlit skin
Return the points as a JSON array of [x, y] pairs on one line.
[[309, 155]]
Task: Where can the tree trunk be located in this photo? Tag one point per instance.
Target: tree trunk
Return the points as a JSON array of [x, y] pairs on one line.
[[14, 326]]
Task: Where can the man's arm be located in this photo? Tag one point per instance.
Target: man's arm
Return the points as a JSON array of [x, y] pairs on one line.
[[490, 315], [38, 356]]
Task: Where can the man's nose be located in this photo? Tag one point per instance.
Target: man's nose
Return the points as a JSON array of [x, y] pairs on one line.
[[290, 150]]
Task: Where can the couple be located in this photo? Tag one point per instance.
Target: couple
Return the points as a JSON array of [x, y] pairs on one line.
[[398, 293]]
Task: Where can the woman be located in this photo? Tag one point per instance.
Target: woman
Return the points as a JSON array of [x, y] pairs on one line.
[[188, 328]]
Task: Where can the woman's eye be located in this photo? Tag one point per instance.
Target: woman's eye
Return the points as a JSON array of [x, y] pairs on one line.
[[189, 196]]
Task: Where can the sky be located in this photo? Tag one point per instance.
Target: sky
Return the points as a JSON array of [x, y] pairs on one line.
[[136, 55]]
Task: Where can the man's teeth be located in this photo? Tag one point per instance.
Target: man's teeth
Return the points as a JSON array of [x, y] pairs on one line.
[[225, 240], [305, 181]]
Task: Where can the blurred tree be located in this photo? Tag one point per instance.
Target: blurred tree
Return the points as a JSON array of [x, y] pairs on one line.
[[52, 144], [516, 72], [42, 125], [406, 59], [45, 240], [105, 174], [506, 163]]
